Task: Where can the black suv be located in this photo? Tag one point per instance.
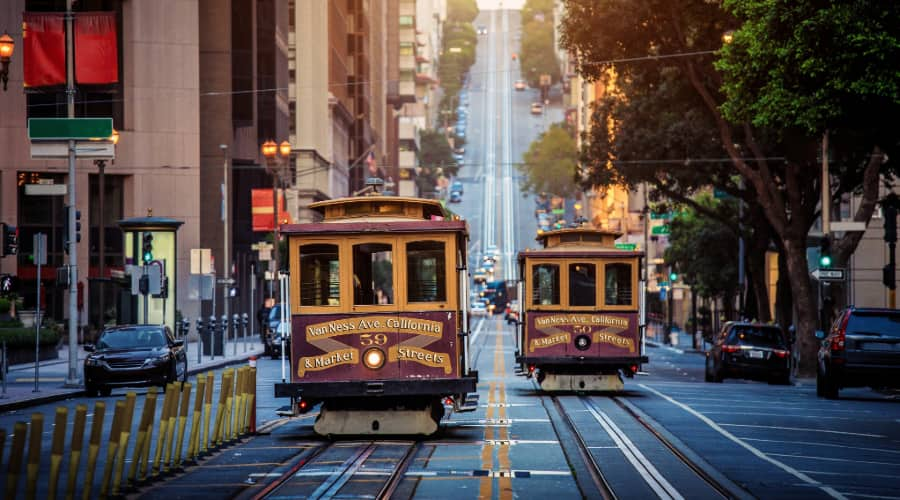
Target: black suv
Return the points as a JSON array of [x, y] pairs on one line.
[[861, 349], [750, 351]]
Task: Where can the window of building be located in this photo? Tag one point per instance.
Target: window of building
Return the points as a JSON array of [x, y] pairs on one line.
[[426, 271], [618, 284], [407, 21], [407, 49], [582, 285], [320, 283], [373, 274], [545, 284]]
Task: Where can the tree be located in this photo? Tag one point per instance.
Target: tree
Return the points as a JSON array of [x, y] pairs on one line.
[[775, 158], [537, 8], [550, 163], [435, 159], [462, 11]]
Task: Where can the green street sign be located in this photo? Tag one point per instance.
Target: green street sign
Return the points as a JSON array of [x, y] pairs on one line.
[[626, 246], [559, 211], [662, 215], [64, 129], [664, 229]]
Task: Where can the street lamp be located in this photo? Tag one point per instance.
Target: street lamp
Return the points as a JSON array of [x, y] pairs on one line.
[[271, 150], [7, 46], [101, 233]]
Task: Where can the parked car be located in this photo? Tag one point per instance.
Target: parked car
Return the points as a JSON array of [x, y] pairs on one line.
[[520, 85], [478, 308], [482, 30], [274, 331], [134, 356], [861, 349], [480, 276], [457, 186], [459, 150], [455, 197], [749, 351], [537, 108]]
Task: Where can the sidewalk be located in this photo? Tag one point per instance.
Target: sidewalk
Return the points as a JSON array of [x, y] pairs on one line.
[[20, 387], [681, 342]]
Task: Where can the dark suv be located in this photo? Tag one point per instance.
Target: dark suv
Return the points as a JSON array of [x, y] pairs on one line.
[[861, 349], [750, 351]]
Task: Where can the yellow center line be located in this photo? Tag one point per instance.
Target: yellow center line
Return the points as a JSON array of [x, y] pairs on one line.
[[487, 452]]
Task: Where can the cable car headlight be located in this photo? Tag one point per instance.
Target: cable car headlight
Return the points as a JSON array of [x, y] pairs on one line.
[[582, 342], [373, 358]]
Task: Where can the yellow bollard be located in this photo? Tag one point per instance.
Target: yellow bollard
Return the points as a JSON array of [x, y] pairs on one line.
[[228, 387], [220, 412], [93, 448], [142, 440], [144, 466], [114, 436], [34, 455], [75, 453], [163, 424], [193, 439], [182, 422], [251, 418], [242, 421], [57, 448], [207, 410], [20, 432], [124, 435], [170, 427], [236, 414]]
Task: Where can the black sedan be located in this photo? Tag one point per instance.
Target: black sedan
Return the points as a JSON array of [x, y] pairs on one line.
[[749, 351], [134, 356]]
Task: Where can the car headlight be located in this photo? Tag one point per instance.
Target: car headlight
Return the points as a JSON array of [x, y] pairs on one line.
[[159, 360], [92, 361]]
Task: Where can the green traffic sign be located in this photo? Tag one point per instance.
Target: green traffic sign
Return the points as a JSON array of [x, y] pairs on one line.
[[661, 215], [664, 229], [64, 129], [626, 246], [558, 211]]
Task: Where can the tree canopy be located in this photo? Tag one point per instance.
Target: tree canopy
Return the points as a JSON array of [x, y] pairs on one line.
[[462, 11], [550, 163], [538, 54]]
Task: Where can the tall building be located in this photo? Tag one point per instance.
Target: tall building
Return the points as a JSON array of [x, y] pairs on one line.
[[192, 75]]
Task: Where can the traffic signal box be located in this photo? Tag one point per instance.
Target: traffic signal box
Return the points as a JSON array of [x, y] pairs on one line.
[[825, 253], [10, 236], [147, 248]]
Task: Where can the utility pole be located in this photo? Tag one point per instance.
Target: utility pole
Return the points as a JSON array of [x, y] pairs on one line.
[[226, 263], [72, 378]]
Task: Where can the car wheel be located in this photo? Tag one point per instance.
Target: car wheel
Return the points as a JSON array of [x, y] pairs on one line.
[[707, 375], [184, 374], [820, 384], [829, 386], [105, 391]]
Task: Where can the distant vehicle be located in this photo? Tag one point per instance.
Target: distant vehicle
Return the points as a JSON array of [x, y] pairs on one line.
[[274, 331], [496, 295], [461, 133], [520, 85], [478, 308], [514, 56], [134, 356], [480, 276], [749, 351], [482, 30], [512, 312], [861, 349], [460, 150], [455, 197], [537, 108], [457, 186], [459, 160]]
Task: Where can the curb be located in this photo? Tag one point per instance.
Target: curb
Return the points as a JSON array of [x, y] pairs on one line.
[[74, 393]]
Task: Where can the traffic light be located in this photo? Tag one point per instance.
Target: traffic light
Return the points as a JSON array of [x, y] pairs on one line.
[[147, 248], [673, 276], [78, 226], [825, 252], [890, 224], [10, 235], [66, 229], [889, 276]]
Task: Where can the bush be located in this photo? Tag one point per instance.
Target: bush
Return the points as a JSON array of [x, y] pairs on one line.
[[24, 337]]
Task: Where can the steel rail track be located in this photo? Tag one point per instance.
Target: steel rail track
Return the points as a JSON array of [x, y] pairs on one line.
[[584, 453]]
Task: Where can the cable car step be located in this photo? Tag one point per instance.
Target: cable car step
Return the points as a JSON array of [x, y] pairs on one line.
[[286, 411], [471, 403]]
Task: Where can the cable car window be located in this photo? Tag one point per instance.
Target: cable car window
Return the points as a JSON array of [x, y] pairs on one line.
[[373, 274], [618, 284], [426, 272], [320, 283], [582, 284], [545, 289]]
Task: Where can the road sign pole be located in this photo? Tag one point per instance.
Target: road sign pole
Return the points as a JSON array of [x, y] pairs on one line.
[[72, 379], [38, 251]]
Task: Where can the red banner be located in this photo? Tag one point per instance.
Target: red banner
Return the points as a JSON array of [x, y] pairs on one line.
[[96, 48], [44, 49], [261, 209]]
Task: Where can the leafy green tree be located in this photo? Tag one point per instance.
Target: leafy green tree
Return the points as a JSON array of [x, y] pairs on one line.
[[663, 53], [536, 8], [550, 163], [435, 159], [458, 55], [462, 11], [537, 54]]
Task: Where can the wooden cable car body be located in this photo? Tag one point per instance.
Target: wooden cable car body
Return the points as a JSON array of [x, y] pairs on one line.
[[581, 305], [378, 308]]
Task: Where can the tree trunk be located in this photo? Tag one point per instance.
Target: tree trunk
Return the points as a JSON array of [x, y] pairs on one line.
[[784, 304], [805, 305], [756, 274]]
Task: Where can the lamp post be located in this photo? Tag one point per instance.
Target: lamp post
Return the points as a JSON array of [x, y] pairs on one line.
[[7, 46], [226, 264], [271, 151], [101, 236]]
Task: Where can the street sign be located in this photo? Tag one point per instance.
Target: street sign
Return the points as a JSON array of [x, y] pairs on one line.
[[83, 149], [223, 281], [262, 245], [45, 189], [64, 129], [664, 229], [848, 226], [558, 211], [835, 274], [626, 246]]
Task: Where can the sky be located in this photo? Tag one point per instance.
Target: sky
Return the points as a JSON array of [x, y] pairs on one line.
[[500, 4]]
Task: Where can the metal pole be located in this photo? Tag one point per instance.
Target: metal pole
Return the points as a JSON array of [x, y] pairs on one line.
[[253, 298], [275, 205], [212, 317], [826, 188], [285, 329], [3, 368], [147, 295], [226, 265], [101, 239], [741, 256], [37, 323], [72, 379], [892, 292]]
